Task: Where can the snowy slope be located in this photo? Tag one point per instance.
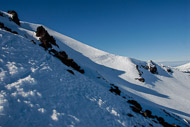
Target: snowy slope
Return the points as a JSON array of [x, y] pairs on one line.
[[184, 68], [37, 90]]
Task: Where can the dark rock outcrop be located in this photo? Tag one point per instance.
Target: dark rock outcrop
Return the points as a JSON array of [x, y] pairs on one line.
[[152, 68], [70, 71], [147, 113], [130, 115], [136, 106], [115, 89], [140, 79], [48, 41], [14, 17], [45, 38], [2, 26]]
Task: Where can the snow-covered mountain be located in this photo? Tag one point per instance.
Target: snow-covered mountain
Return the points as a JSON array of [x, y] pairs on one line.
[[49, 79], [184, 68]]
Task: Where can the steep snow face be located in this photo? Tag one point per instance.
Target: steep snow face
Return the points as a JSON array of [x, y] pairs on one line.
[[163, 88], [184, 68], [37, 89]]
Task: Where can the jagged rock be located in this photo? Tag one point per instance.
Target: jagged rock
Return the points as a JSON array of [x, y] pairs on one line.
[[40, 32], [52, 41], [45, 44], [115, 89], [169, 70], [67, 61], [130, 115], [14, 17], [70, 71], [81, 71], [7, 29], [140, 79], [147, 113], [136, 106], [14, 32], [140, 73], [45, 38], [62, 55], [2, 26], [153, 69]]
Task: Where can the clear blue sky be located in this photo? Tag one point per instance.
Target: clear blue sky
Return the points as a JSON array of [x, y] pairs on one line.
[[142, 29]]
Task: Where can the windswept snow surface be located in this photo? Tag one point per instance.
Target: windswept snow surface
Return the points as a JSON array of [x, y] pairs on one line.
[[37, 90], [184, 68]]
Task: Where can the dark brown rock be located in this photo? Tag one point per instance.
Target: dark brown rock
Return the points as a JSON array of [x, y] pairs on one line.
[[140, 79], [153, 69], [40, 32], [70, 71], [14, 32], [135, 104], [115, 89], [147, 113], [1, 25], [130, 115], [15, 17]]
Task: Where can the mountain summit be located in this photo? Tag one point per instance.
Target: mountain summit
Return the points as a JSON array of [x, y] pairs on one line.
[[50, 80]]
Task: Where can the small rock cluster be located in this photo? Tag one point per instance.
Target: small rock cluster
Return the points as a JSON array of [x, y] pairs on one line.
[[47, 41], [141, 79], [14, 17], [2, 26], [115, 89], [151, 66], [137, 108], [45, 38]]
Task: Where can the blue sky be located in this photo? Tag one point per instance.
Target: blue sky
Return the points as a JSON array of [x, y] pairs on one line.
[[142, 29]]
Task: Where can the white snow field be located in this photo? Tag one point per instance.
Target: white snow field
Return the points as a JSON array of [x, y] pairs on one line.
[[184, 68], [36, 90]]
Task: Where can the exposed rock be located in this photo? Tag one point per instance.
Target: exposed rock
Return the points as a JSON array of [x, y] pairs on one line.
[[140, 79], [2, 26], [7, 29], [140, 73], [136, 106], [169, 70], [130, 115], [14, 32], [62, 55], [151, 66], [40, 32], [45, 38], [153, 69], [14, 17], [67, 61], [147, 113], [115, 89], [70, 71]]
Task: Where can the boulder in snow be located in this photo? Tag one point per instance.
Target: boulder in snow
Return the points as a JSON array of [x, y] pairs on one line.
[[14, 17]]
